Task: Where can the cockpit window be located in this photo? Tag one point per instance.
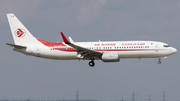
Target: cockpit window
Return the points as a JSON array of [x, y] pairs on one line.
[[166, 45]]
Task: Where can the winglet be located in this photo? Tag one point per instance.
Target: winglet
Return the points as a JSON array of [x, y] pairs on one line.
[[65, 39], [70, 39]]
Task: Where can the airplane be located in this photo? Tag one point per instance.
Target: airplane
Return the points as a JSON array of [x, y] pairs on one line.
[[107, 51]]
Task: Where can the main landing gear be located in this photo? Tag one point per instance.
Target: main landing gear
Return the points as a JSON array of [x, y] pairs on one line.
[[159, 62], [91, 63]]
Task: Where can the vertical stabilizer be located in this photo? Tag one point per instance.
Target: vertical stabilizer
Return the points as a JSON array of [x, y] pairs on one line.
[[20, 34]]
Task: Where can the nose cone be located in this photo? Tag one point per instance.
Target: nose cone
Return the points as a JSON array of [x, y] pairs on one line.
[[173, 50]]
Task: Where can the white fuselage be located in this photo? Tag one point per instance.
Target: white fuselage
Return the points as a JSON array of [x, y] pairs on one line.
[[124, 49]]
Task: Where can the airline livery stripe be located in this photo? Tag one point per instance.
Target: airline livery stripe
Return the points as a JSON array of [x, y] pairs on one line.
[[74, 50], [69, 49]]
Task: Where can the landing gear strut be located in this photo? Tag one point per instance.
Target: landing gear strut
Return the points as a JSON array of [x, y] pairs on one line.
[[159, 62], [91, 63]]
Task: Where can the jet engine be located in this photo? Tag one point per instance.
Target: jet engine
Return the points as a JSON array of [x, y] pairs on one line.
[[110, 57]]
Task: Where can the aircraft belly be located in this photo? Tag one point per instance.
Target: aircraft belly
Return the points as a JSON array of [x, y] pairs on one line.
[[59, 55], [136, 54], [143, 54]]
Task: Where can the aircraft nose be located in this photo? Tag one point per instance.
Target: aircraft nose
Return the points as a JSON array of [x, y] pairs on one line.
[[173, 50]]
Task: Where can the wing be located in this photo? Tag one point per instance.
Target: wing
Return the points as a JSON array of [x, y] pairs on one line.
[[82, 52]]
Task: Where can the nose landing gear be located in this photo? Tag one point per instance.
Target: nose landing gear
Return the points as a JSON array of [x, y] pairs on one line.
[[159, 62]]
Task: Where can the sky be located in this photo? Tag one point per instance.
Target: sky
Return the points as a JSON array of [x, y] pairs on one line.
[[23, 77]]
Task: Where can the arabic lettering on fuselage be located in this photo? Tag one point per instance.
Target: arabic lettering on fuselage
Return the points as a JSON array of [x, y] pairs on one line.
[[132, 44], [106, 44], [123, 44]]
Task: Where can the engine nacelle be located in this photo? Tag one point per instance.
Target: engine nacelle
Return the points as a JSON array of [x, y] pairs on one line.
[[110, 57]]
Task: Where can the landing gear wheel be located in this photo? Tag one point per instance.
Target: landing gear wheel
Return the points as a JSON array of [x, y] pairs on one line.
[[91, 63], [159, 62]]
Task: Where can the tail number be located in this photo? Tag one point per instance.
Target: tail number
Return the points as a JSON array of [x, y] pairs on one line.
[[20, 32]]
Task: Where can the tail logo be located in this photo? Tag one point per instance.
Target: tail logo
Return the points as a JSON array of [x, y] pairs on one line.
[[20, 32]]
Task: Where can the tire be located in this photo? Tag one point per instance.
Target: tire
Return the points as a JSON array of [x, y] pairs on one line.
[[91, 63], [159, 62]]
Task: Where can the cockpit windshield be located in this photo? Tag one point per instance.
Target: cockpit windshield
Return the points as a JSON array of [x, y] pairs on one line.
[[166, 45]]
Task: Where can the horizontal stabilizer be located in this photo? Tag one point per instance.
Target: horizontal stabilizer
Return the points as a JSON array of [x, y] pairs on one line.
[[15, 46]]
